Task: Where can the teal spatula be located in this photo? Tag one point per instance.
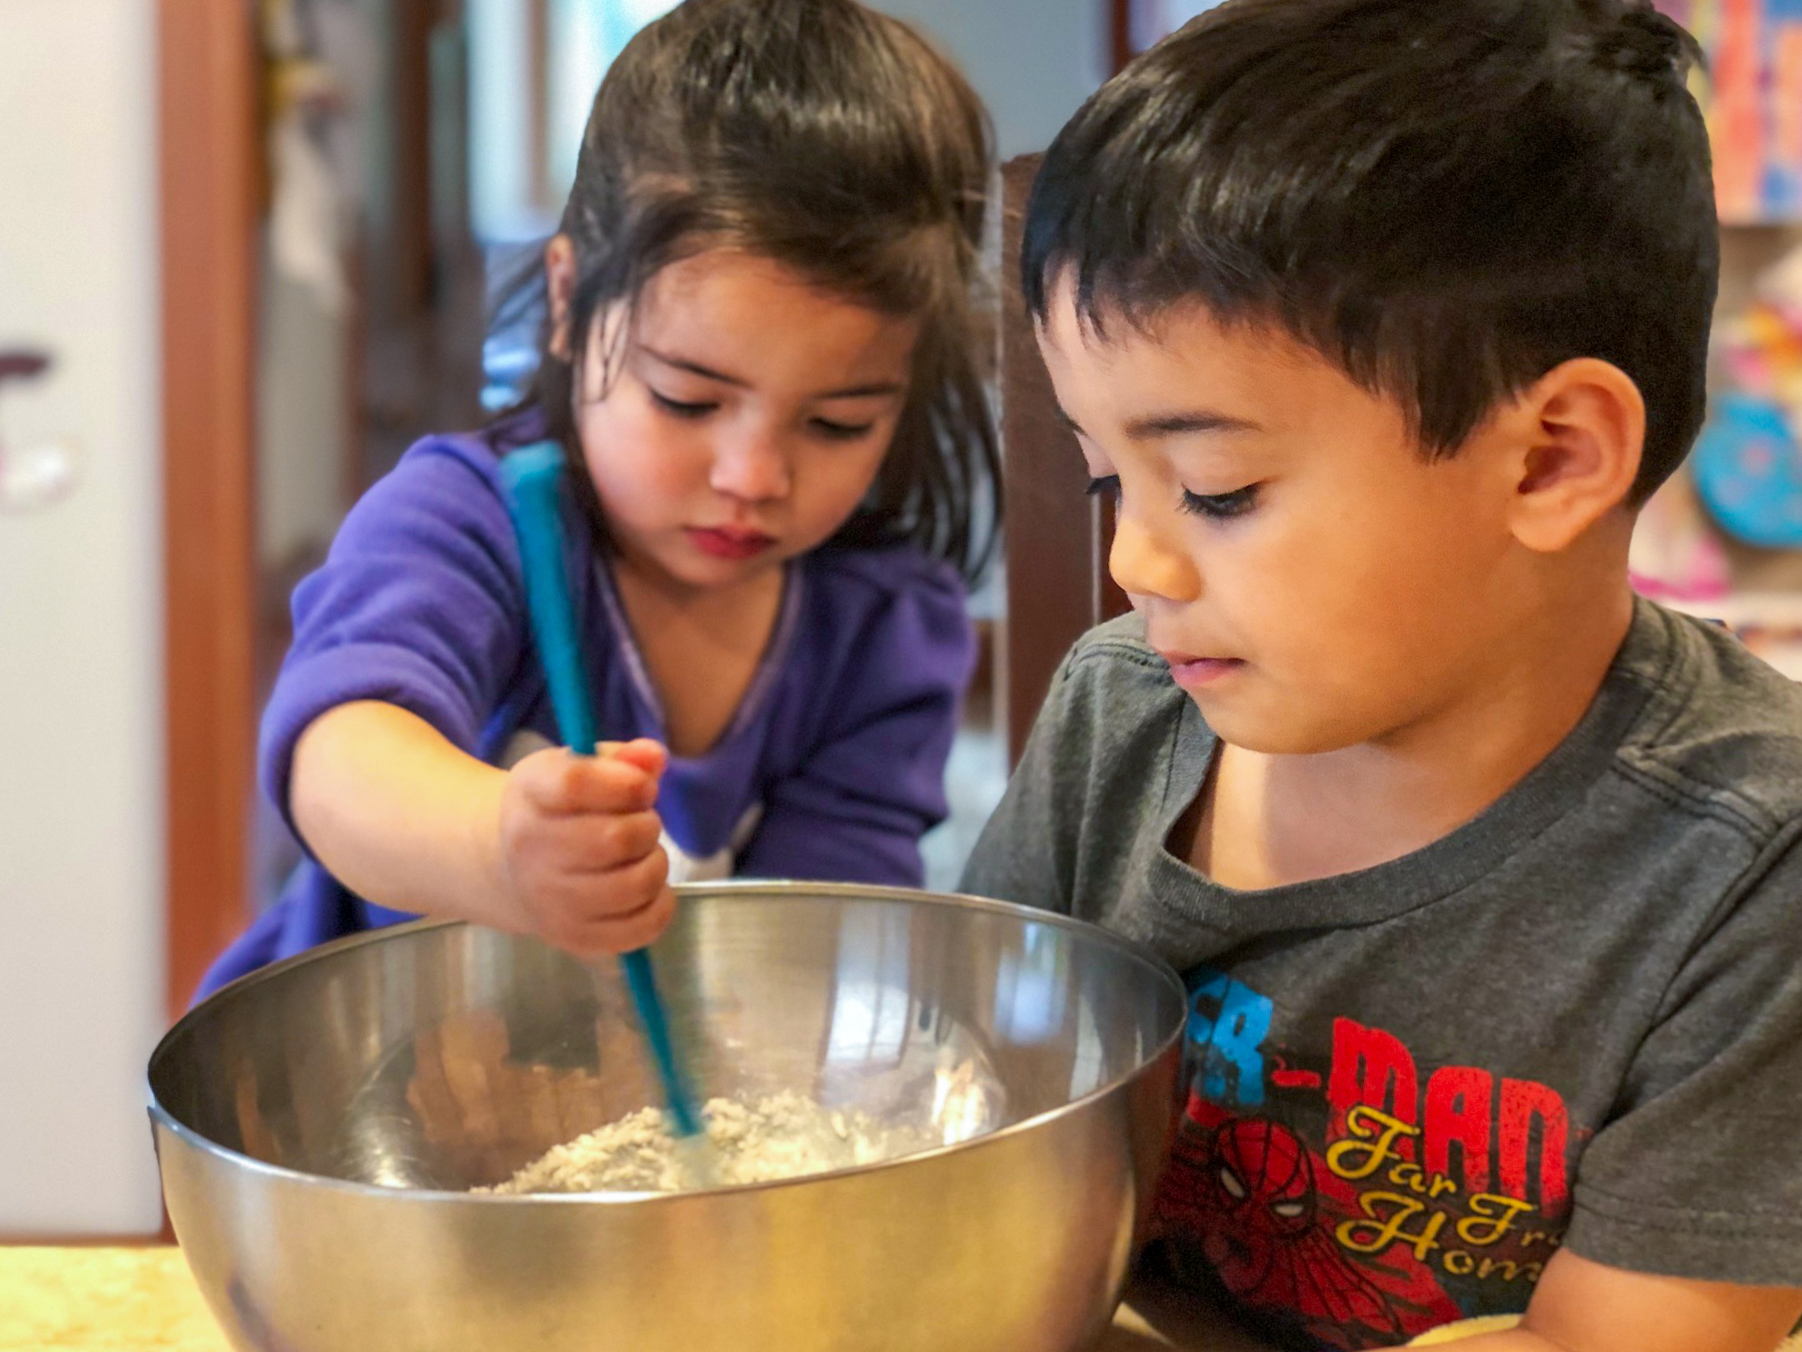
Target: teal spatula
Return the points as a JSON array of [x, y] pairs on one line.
[[532, 476]]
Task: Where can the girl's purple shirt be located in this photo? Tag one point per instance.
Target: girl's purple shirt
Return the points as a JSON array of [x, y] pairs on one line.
[[837, 752]]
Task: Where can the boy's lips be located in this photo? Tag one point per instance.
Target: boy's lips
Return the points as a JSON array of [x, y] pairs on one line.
[[1192, 672], [729, 542]]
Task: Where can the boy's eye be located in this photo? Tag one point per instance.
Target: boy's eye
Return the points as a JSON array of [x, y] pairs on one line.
[[838, 431], [1108, 487], [1222, 506], [677, 408]]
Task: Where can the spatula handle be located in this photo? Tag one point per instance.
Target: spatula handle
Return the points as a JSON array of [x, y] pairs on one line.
[[532, 477]]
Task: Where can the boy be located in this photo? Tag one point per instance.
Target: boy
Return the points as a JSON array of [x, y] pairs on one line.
[[1381, 318]]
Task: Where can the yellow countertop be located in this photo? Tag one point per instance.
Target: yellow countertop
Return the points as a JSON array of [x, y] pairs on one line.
[[102, 1300], [144, 1300]]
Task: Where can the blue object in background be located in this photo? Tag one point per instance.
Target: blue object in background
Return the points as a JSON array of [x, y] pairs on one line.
[[1747, 467]]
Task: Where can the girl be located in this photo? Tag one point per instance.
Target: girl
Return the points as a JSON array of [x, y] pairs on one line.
[[759, 356]]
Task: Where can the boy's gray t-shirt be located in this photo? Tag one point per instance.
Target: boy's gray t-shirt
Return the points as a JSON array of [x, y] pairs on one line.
[[1577, 1019]]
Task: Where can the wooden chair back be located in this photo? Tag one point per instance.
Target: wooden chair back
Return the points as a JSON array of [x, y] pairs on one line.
[[1057, 536]]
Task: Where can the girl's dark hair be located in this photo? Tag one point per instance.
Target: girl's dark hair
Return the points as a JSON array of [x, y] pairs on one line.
[[1446, 198], [828, 138]]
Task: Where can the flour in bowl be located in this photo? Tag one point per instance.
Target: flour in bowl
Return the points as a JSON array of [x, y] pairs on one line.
[[783, 1136]]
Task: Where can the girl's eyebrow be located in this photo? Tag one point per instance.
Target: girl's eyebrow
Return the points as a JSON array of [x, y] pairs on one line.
[[705, 372], [869, 391], [883, 388]]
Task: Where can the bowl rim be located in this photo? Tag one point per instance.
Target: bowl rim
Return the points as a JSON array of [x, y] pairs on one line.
[[728, 889]]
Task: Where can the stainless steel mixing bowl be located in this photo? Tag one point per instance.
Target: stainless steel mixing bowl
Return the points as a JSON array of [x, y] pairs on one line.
[[317, 1123]]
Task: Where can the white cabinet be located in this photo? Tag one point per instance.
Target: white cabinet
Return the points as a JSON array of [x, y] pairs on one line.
[[82, 930]]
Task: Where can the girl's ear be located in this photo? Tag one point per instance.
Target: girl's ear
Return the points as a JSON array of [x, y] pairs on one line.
[[1578, 436], [560, 286]]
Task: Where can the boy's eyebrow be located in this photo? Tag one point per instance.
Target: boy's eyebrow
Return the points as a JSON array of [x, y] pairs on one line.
[[1186, 423], [1173, 424], [871, 390]]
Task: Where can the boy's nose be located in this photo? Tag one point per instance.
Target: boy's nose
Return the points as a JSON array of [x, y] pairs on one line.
[[752, 467], [1145, 562]]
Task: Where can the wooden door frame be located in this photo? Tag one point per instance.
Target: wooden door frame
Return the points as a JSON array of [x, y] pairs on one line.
[[1058, 538], [210, 176], [1120, 34]]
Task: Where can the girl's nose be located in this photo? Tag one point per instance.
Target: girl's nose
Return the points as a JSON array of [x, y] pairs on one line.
[[751, 467], [1150, 561]]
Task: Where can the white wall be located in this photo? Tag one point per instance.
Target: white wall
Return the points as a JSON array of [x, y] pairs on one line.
[[500, 172], [81, 711], [302, 403], [1033, 61]]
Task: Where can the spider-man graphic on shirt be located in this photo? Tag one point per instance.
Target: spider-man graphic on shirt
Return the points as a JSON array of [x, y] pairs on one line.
[[1262, 1208], [1324, 1206]]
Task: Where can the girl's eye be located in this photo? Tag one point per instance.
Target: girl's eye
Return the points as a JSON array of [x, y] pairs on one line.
[[676, 408], [1108, 487], [1222, 506], [837, 431]]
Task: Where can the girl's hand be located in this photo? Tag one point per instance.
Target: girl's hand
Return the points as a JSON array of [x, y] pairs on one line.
[[579, 848]]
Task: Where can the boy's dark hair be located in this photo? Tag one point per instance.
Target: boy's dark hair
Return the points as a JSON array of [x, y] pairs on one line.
[[832, 139], [1445, 198]]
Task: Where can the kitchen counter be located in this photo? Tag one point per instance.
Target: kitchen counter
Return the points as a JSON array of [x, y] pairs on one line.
[[102, 1300], [143, 1300]]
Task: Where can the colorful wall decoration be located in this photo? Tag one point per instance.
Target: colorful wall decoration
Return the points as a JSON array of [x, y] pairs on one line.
[[1752, 94]]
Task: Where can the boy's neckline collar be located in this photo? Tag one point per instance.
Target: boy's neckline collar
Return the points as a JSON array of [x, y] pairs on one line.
[[1457, 860]]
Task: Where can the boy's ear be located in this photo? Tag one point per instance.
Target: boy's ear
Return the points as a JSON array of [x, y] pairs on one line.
[[560, 286], [1577, 433]]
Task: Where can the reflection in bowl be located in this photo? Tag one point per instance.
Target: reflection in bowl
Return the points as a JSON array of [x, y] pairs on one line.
[[319, 1125]]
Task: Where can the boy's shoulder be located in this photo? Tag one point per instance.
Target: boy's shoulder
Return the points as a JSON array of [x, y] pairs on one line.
[[1720, 728], [1111, 704], [1119, 644], [1112, 664]]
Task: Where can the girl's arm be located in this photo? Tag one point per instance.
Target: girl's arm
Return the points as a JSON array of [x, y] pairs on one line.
[[564, 847], [1582, 1306]]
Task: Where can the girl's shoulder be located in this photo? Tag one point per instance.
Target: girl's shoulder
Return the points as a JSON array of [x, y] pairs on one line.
[[450, 460], [444, 484]]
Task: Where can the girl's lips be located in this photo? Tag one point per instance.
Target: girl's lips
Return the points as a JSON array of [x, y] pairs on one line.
[[722, 543]]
